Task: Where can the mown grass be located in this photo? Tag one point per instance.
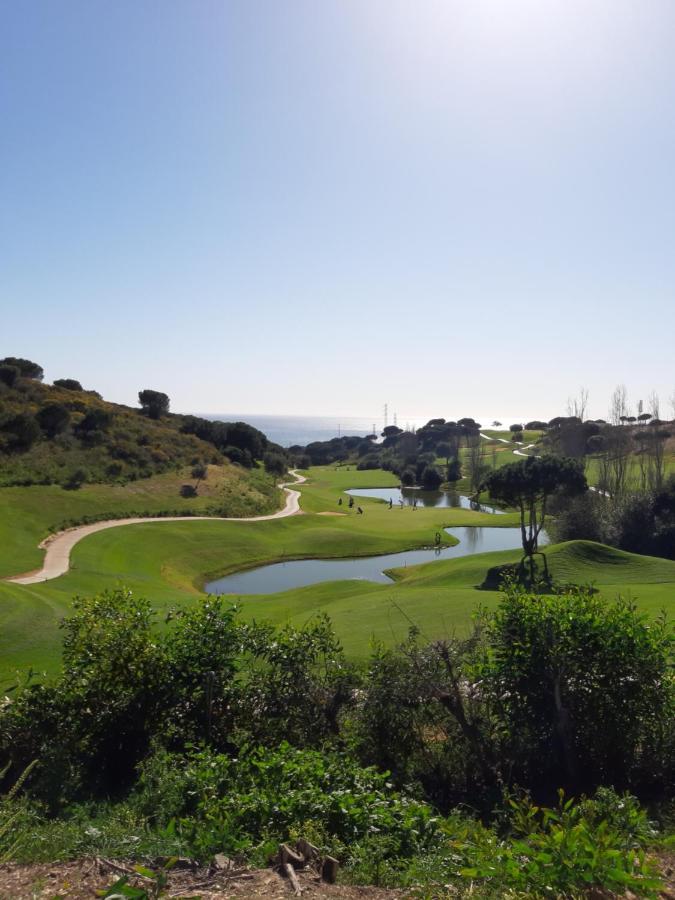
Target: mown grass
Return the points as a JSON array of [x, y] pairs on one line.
[[169, 562], [29, 514]]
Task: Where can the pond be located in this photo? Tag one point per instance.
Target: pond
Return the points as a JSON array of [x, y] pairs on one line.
[[437, 499], [275, 577]]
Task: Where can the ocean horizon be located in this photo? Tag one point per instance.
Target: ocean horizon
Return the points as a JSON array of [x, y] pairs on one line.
[[289, 430]]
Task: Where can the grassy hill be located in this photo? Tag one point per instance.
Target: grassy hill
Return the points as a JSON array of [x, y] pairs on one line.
[[67, 457], [104, 442]]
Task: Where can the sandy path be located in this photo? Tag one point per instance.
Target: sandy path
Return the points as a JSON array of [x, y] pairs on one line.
[[57, 547]]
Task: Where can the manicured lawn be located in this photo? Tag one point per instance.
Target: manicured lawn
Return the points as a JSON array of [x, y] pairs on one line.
[[29, 514], [169, 562]]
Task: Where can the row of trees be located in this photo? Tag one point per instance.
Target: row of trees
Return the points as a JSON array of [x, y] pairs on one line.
[[410, 455], [637, 521]]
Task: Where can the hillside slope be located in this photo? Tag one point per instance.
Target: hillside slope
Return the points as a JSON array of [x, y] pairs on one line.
[[54, 435]]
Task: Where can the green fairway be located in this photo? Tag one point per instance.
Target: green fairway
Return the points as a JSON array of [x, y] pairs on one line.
[[169, 562], [29, 514]]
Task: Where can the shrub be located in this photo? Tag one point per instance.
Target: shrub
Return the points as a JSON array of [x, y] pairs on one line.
[[9, 375], [200, 471], [371, 461], [188, 490], [583, 687], [241, 457], [26, 367], [53, 418], [75, 480], [265, 795], [94, 420], [431, 478], [121, 687], [68, 384], [19, 432], [274, 463], [454, 470]]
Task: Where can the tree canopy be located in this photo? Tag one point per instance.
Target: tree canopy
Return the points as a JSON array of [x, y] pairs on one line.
[[26, 367], [529, 484], [68, 384], [154, 403]]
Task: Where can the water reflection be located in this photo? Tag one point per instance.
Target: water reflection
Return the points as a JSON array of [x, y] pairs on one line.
[[412, 496], [277, 577]]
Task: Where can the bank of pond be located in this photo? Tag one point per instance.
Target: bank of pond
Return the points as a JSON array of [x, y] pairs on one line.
[[425, 499], [282, 576]]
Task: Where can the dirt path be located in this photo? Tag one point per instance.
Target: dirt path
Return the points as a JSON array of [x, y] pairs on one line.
[[57, 547], [520, 451]]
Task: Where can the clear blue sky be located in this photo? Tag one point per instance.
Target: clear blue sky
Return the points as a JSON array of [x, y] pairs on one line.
[[459, 207]]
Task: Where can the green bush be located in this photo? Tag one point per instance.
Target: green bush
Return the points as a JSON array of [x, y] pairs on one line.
[[263, 796], [583, 689]]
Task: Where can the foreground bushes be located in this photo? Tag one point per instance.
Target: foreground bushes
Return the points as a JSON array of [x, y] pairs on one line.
[[549, 691], [213, 735], [247, 806]]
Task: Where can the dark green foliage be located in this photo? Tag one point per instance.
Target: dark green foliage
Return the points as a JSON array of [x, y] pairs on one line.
[[454, 470], [18, 433], [53, 419], [574, 691], [75, 480], [408, 477], [200, 471], [121, 686], [528, 486], [569, 436], [232, 438], [639, 522], [582, 690], [26, 367], [371, 461], [275, 463], [239, 456], [96, 419], [297, 686], [268, 795], [154, 404], [68, 384], [9, 375], [188, 490], [431, 478]]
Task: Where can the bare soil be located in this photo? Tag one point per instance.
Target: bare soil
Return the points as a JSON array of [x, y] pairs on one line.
[[82, 879]]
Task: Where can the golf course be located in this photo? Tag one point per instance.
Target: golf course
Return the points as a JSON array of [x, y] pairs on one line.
[[170, 561]]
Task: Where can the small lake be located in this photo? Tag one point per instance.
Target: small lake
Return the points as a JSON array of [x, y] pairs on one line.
[[276, 577], [436, 499]]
